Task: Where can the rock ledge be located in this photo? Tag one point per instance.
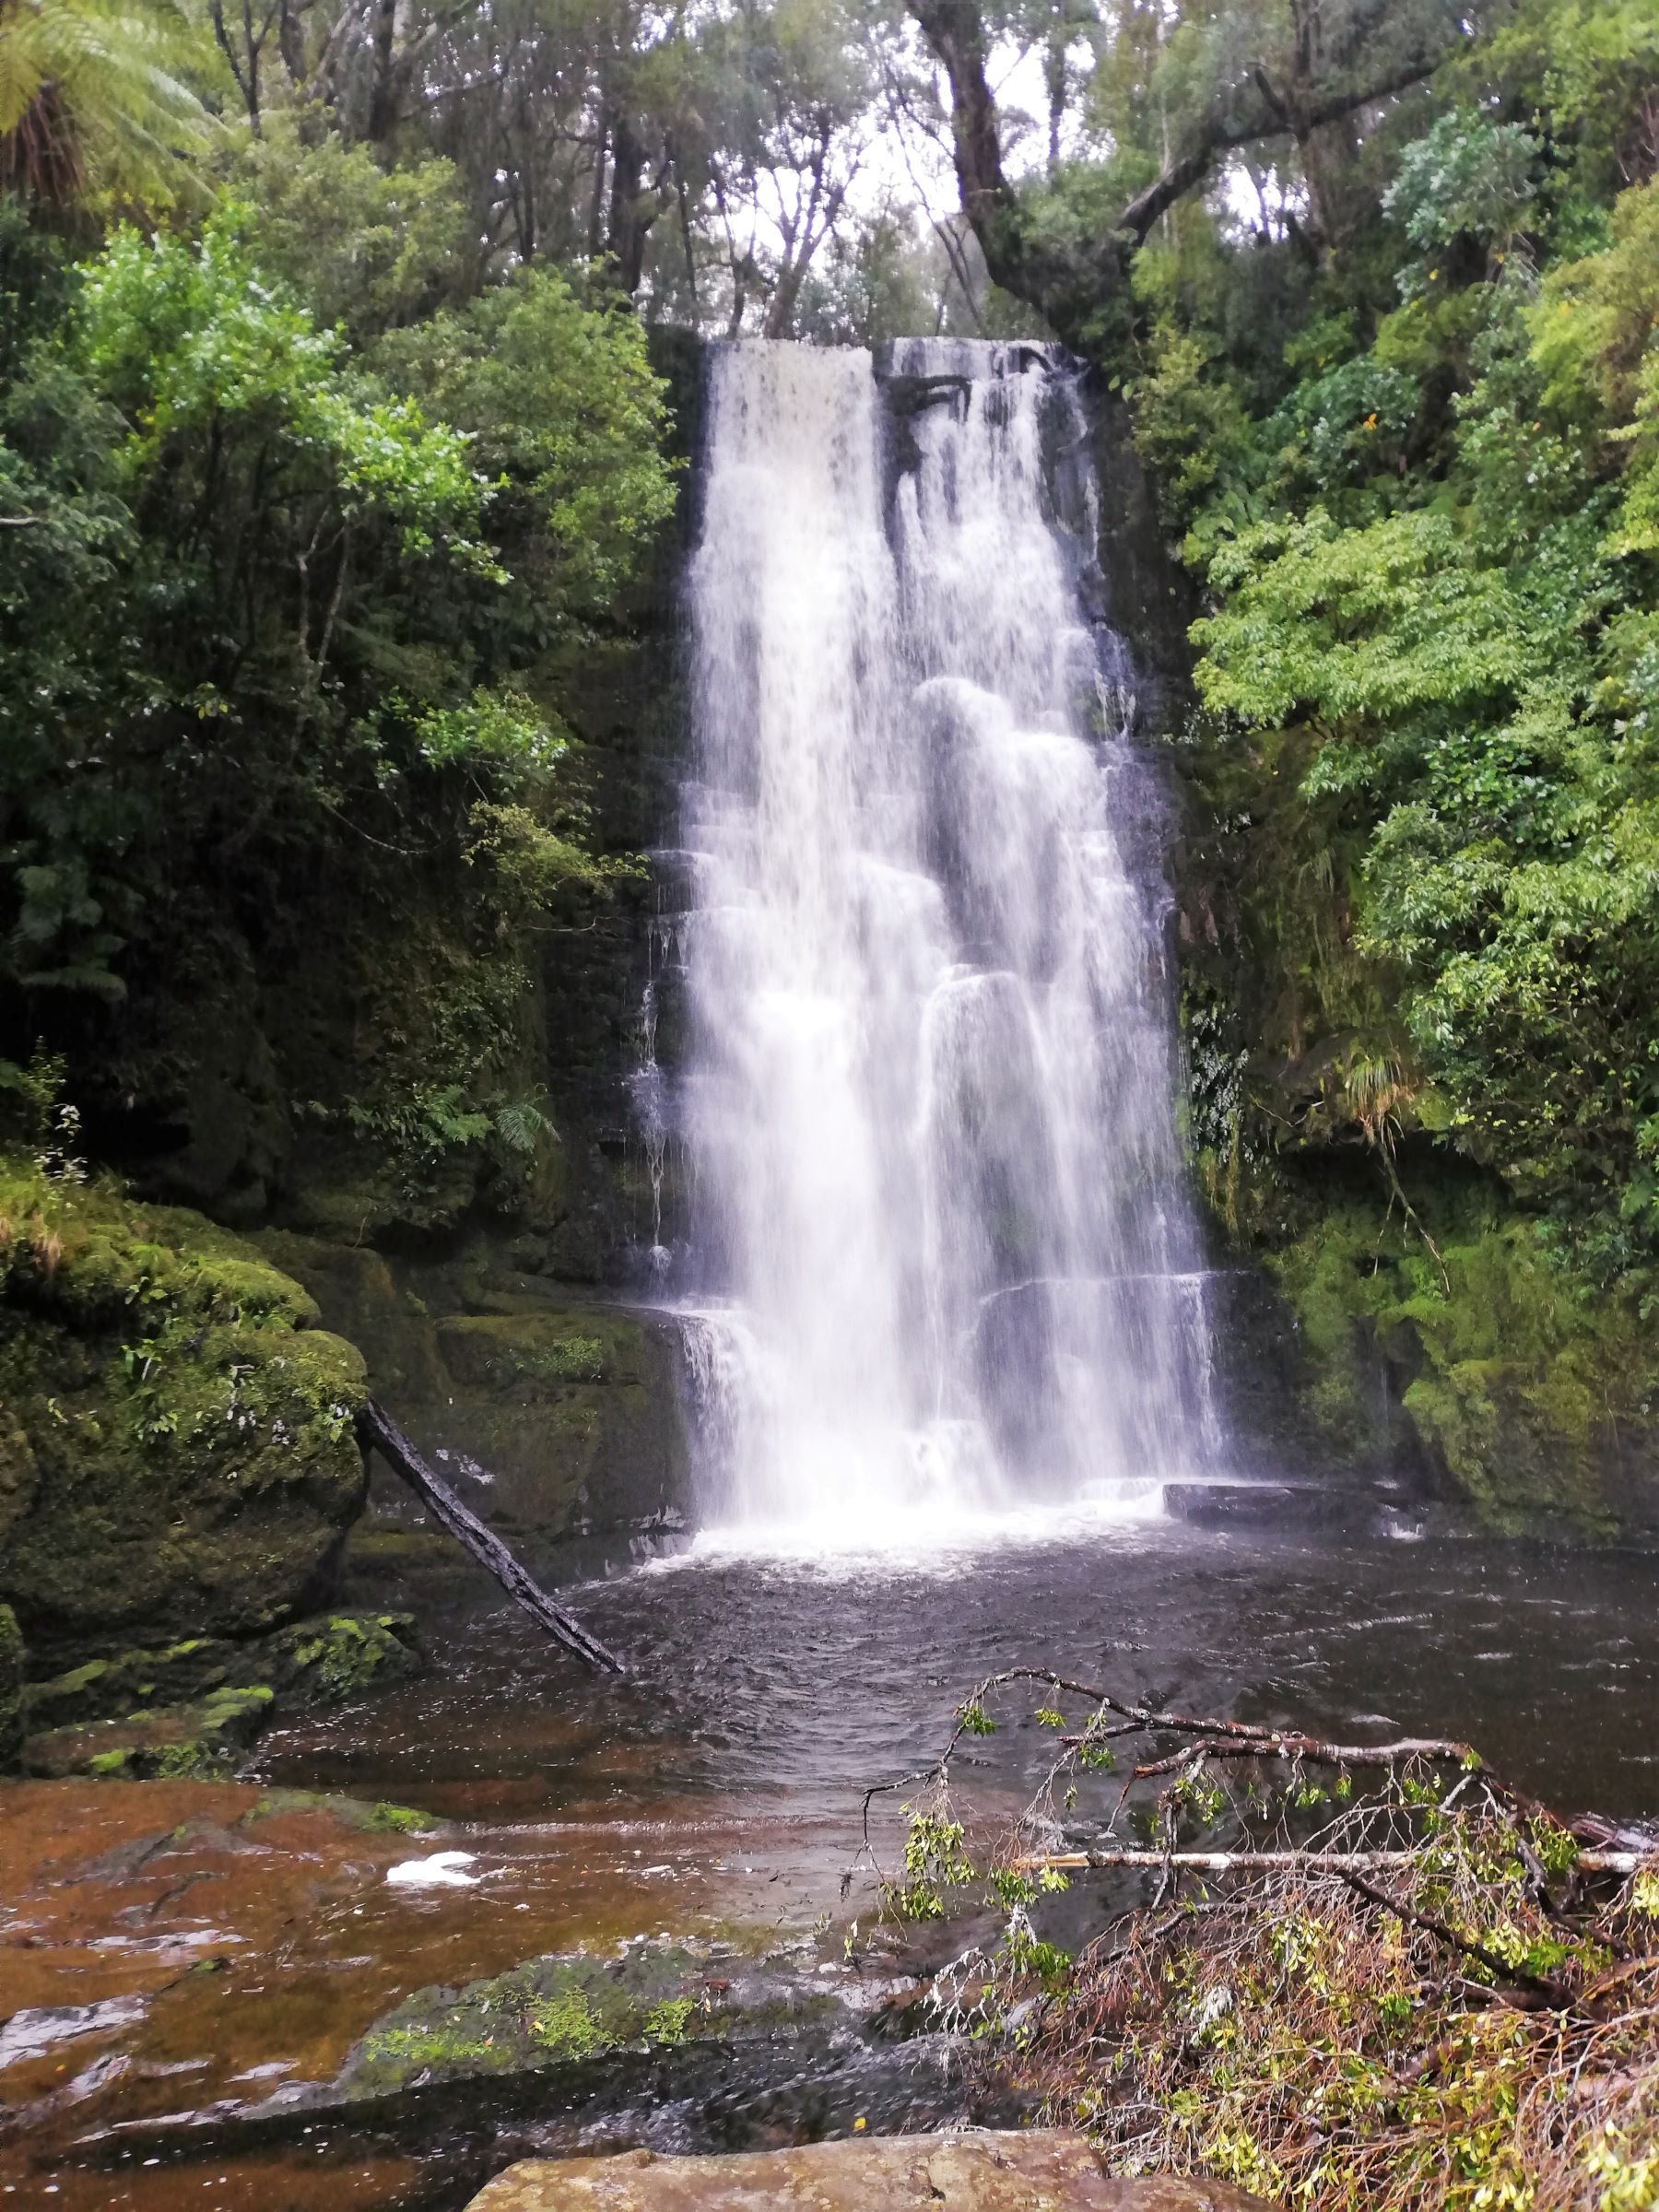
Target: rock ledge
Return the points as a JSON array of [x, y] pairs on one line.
[[1036, 2170]]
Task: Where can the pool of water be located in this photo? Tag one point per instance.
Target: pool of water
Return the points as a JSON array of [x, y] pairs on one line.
[[720, 1781], [799, 1677]]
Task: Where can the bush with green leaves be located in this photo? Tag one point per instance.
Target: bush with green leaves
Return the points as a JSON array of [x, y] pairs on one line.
[[279, 614]]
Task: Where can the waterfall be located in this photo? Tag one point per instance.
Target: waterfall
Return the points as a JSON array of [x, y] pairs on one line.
[[941, 1253]]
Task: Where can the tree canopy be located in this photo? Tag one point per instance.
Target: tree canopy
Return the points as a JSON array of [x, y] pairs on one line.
[[330, 442]]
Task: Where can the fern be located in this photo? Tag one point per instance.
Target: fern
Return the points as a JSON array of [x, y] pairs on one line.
[[96, 101]]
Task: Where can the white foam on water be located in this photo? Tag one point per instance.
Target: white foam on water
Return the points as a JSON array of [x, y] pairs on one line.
[[918, 1539], [442, 1870]]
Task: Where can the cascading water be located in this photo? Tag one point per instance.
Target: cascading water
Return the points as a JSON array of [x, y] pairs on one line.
[[941, 1254]]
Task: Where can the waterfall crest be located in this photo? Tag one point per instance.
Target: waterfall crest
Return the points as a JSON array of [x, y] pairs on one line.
[[941, 1254]]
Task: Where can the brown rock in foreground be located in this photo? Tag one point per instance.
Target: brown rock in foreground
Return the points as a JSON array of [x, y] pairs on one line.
[[1033, 2170]]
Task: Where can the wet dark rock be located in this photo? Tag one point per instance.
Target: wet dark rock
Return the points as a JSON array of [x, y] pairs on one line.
[[681, 2047], [554, 1417], [1332, 1507]]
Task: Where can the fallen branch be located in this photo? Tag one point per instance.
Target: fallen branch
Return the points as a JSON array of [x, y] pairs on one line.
[[1339, 1862], [379, 1431], [1501, 1968]]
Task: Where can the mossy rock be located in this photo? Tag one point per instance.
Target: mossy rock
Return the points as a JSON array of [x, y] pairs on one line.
[[364, 1297], [1537, 1399], [11, 1687], [367, 1818], [567, 2010], [326, 1660], [342, 1656], [187, 1462], [539, 1353], [196, 1742], [103, 1689], [571, 1409], [572, 1412]]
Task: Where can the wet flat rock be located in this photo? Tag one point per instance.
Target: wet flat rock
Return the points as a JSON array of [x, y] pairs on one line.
[[1034, 2171]]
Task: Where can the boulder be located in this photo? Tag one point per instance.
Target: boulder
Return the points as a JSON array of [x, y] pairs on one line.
[[177, 1458], [1040, 2170]]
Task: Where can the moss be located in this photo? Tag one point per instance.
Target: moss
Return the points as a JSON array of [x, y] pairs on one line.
[[563, 2025], [667, 2024], [400, 1820], [344, 1655], [395, 2057], [167, 1742], [552, 2011], [105, 1689], [541, 1351], [191, 1462], [1521, 1381], [351, 1812]]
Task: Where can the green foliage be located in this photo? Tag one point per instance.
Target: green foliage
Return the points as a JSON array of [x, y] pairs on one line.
[[1467, 177], [274, 626], [187, 338], [564, 409], [1428, 660], [368, 247], [936, 1862]]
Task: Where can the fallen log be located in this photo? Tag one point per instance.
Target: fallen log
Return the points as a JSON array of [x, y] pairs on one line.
[[379, 1431]]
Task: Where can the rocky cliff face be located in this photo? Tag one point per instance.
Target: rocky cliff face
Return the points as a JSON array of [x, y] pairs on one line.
[[555, 1417]]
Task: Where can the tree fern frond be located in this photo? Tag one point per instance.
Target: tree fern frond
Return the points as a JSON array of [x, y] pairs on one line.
[[96, 97]]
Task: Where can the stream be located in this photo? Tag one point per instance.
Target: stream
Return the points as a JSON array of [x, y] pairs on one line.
[[717, 1788]]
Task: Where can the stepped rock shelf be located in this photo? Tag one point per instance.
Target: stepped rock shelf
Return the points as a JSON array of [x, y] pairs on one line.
[[1035, 2171]]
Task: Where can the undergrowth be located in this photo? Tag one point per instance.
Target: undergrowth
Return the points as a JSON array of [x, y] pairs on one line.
[[1370, 1976]]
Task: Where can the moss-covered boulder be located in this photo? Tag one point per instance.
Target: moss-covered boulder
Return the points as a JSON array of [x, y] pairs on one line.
[[550, 2012], [103, 1689], [197, 1741], [178, 1455], [341, 1656], [327, 1660]]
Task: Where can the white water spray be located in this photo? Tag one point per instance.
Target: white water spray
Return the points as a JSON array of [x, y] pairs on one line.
[[943, 1261]]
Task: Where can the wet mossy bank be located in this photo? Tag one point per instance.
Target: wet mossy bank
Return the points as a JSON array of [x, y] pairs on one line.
[[180, 1470]]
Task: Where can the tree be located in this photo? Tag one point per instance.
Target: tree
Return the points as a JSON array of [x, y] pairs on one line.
[[1270, 69]]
